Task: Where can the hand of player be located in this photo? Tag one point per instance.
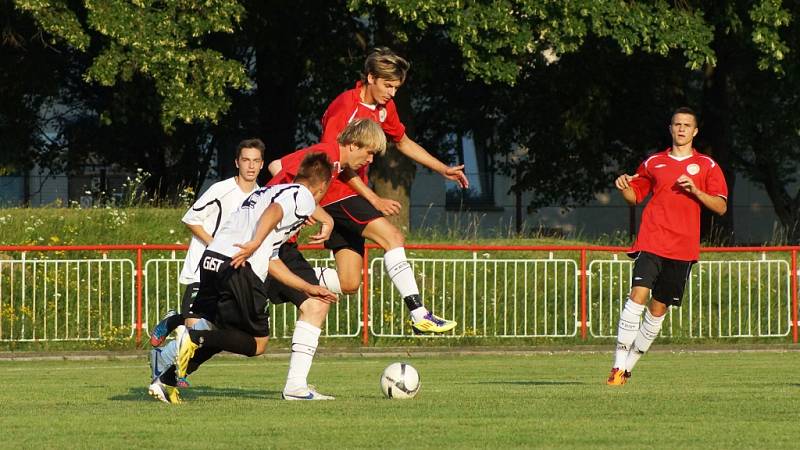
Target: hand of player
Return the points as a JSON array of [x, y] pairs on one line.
[[386, 206], [456, 173], [687, 184], [310, 221], [624, 181], [321, 293], [324, 234], [247, 249]]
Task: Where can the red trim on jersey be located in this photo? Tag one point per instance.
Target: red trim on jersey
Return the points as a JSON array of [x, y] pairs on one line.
[[671, 220]]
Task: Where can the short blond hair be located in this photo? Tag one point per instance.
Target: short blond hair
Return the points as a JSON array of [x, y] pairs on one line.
[[364, 133], [382, 62]]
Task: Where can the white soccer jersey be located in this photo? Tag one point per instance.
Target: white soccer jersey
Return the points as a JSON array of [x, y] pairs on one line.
[[297, 203], [210, 210]]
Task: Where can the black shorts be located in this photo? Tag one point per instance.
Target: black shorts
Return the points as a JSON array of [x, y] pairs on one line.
[[350, 217], [231, 298], [189, 295], [666, 277], [294, 260]]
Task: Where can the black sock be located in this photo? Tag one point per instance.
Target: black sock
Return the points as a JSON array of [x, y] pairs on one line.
[[173, 322], [413, 302], [201, 355], [168, 377], [233, 341]]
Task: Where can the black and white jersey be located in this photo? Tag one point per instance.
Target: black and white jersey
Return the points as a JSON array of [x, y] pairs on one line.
[[209, 211], [297, 203]]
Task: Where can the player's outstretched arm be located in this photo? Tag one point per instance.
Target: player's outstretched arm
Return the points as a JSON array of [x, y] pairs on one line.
[[716, 204], [279, 271], [623, 183], [386, 206], [267, 222], [415, 151]]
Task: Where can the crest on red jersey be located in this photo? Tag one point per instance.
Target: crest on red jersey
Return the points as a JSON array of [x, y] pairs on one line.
[[693, 169], [382, 114]]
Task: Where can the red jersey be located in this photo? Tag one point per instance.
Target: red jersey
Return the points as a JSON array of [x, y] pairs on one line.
[[344, 109], [671, 221], [291, 162]]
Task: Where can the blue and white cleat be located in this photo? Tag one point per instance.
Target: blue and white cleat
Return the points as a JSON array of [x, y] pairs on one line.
[[160, 332], [306, 394]]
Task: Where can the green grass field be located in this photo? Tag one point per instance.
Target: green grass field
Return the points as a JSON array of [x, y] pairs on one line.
[[674, 400]]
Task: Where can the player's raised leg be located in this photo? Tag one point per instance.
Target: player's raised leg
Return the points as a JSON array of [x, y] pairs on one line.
[[383, 233]]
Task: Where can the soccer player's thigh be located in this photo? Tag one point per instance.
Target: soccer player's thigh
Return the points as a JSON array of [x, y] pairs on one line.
[[383, 233], [280, 293], [646, 269], [245, 303], [671, 282]]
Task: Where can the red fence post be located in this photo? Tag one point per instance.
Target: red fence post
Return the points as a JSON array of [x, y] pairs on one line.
[[794, 296], [365, 298], [583, 294], [138, 296]]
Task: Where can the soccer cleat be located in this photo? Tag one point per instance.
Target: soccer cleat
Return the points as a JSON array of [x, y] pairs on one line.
[[164, 392], [182, 382], [432, 324], [617, 377], [306, 394], [155, 363], [186, 349], [160, 332]]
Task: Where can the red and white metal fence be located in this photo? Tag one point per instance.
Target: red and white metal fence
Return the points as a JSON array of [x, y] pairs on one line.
[[120, 291]]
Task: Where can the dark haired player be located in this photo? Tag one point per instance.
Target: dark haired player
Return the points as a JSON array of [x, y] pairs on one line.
[[232, 300], [682, 181]]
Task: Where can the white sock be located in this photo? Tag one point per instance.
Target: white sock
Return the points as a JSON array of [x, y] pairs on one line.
[[329, 279], [627, 330], [648, 332], [419, 313], [304, 345], [400, 271]]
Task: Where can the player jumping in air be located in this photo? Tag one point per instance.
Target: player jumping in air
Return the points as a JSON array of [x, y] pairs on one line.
[[682, 181], [232, 300], [358, 212], [203, 219]]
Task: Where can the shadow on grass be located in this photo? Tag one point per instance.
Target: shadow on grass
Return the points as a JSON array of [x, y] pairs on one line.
[[139, 394], [530, 382]]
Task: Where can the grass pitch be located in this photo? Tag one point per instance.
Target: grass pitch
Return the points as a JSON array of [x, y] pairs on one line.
[[674, 400]]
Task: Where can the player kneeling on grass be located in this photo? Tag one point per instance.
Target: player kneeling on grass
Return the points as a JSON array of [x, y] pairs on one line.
[[233, 273], [668, 244]]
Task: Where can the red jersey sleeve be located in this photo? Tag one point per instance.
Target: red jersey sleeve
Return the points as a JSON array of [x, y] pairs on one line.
[[643, 184], [392, 125], [289, 165], [715, 182]]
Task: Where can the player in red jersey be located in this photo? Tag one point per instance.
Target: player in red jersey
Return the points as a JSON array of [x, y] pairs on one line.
[[357, 211], [682, 181]]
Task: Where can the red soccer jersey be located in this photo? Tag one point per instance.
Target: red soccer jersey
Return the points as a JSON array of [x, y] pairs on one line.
[[671, 221], [291, 162], [343, 110]]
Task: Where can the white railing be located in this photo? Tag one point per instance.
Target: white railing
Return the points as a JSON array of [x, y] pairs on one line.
[[528, 295], [722, 299], [488, 297], [66, 299]]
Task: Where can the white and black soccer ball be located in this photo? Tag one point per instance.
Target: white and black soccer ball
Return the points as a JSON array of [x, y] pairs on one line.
[[400, 380]]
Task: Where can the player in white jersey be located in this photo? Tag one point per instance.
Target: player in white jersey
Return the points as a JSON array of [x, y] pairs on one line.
[[204, 219], [233, 274]]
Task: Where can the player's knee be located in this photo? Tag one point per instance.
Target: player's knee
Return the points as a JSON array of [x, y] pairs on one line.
[[396, 239], [349, 286]]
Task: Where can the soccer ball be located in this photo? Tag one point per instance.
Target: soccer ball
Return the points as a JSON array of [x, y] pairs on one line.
[[400, 380]]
